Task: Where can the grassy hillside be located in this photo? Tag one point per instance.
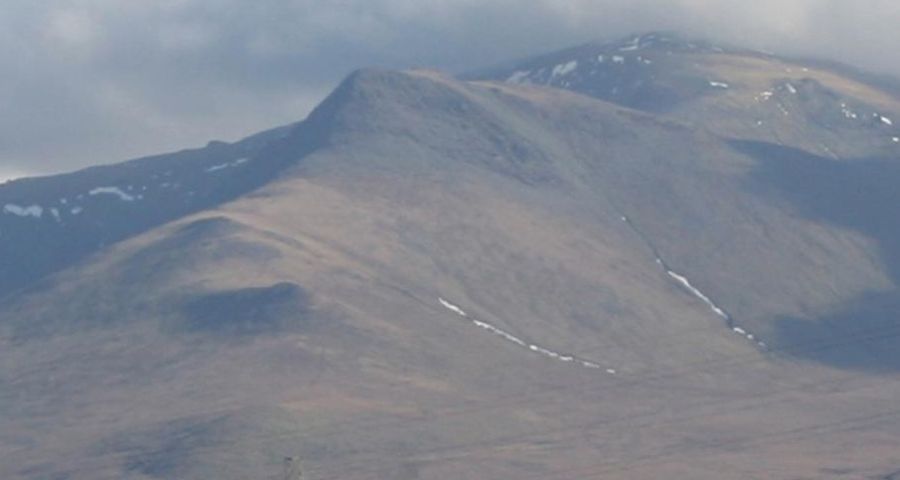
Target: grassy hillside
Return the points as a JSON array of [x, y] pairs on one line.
[[477, 280]]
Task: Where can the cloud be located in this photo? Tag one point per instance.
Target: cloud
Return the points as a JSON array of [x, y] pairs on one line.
[[103, 80]]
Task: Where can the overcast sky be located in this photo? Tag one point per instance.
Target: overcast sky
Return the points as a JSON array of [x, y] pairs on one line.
[[97, 81]]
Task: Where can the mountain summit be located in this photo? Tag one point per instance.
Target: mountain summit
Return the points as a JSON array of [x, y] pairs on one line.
[[735, 92], [655, 257]]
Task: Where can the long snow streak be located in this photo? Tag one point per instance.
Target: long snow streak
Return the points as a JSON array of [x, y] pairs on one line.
[[452, 307], [697, 293], [518, 341], [715, 308], [684, 282]]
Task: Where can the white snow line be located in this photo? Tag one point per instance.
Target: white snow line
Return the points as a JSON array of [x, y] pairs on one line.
[[511, 338], [116, 191], [715, 308], [216, 168], [223, 166], [497, 331], [452, 307], [697, 293], [518, 341]]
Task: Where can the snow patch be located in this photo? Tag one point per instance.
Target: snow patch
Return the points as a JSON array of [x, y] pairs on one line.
[[35, 211], [496, 331], [790, 87], [518, 77], [564, 69], [518, 341], [216, 168], [718, 84], [697, 293], [632, 45], [76, 211], [115, 191], [452, 307], [223, 166], [886, 120], [847, 112], [618, 59], [715, 308]]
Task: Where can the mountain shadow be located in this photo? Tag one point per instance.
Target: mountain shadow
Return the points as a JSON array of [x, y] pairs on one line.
[[857, 194], [247, 311]]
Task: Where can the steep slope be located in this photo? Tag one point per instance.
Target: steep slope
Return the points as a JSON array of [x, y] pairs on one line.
[[49, 223], [824, 145], [465, 280]]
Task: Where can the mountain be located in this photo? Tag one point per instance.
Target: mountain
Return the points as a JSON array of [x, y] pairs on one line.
[[509, 275], [825, 109]]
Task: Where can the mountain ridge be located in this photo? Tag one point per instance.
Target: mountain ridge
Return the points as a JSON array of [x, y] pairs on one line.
[[433, 278]]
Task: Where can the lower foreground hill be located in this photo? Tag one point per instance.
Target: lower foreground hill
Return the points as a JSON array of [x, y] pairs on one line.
[[438, 278]]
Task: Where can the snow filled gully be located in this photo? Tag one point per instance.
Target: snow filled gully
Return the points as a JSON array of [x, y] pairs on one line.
[[687, 285], [572, 359]]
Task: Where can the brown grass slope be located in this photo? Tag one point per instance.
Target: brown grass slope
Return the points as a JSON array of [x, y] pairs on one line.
[[303, 319]]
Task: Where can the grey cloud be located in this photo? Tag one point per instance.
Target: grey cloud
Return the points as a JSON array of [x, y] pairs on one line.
[[104, 80]]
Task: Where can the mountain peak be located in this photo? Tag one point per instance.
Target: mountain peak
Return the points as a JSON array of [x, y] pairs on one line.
[[658, 40], [664, 72], [370, 100]]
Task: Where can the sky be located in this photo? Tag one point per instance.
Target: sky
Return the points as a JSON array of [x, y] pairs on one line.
[[98, 81]]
